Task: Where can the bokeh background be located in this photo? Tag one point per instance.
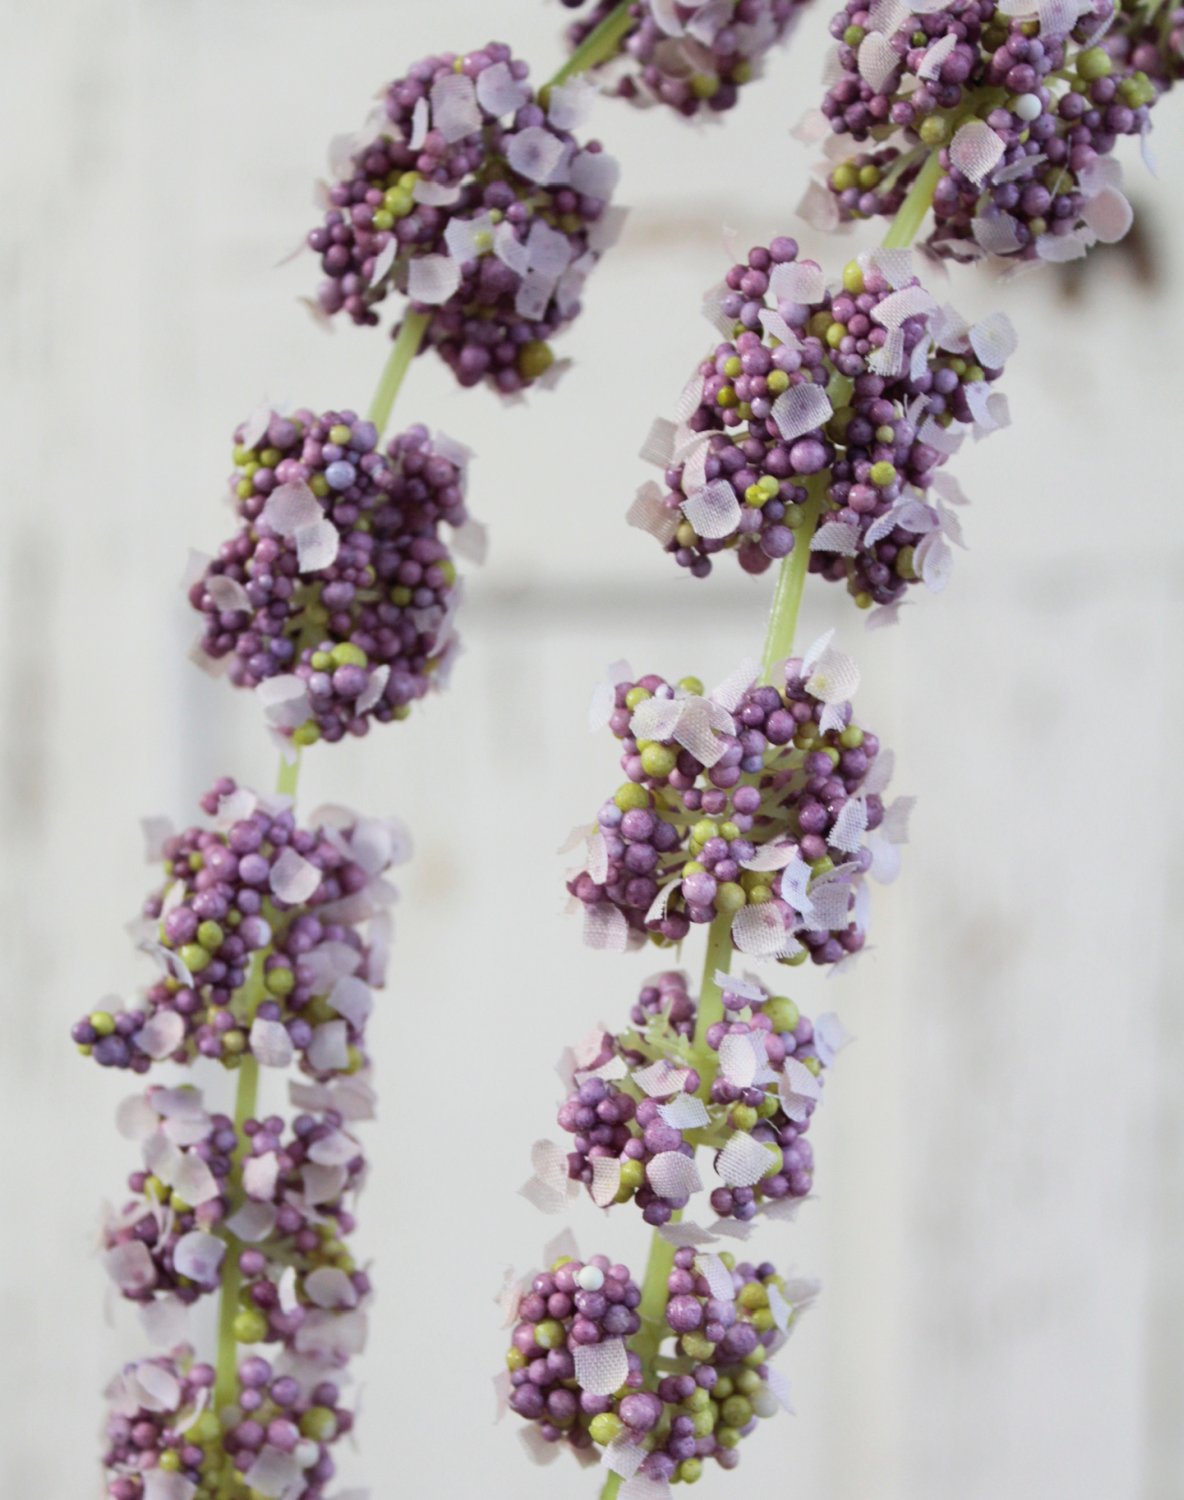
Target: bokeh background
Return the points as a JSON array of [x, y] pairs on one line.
[[1001, 1188]]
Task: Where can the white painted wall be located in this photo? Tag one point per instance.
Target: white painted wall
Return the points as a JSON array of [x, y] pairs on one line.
[[1000, 1184]]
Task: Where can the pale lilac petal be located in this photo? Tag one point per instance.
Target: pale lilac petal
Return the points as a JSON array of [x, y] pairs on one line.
[[656, 718], [568, 104], [293, 878], [260, 1175], [685, 1112], [606, 1180], [661, 1079], [199, 1256], [718, 1277], [227, 593], [337, 1149], [499, 92], [897, 307], [994, 340], [329, 1287], [253, 1222], [270, 1043], [800, 281], [830, 1037], [161, 1035], [760, 932], [317, 545], [275, 1475], [595, 174], [798, 1089], [535, 153], [601, 1368], [130, 1267], [878, 60], [455, 112], [648, 513], [322, 1184], [1109, 215], [605, 928], [432, 279], [849, 826], [291, 507], [836, 536], [329, 1049]]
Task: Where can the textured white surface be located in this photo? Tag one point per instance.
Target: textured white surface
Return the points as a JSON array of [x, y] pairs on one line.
[[1000, 1189]]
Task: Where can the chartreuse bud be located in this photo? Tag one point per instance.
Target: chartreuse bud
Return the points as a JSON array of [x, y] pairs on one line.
[[340, 434], [194, 957], [210, 936], [697, 1347], [691, 1469], [636, 696], [730, 897], [549, 1334], [853, 276], [515, 1359], [693, 685], [658, 760], [102, 1021], [250, 1327], [319, 1423], [1094, 63], [346, 654], [783, 1013], [632, 1177], [535, 359], [280, 981], [630, 796], [604, 1427]]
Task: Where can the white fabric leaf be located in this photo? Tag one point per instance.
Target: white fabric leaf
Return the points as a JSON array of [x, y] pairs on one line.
[[934, 561], [836, 536], [603, 1368], [878, 60], [648, 513], [997, 232], [160, 1484], [717, 1276], [568, 104], [888, 359], [714, 511], [322, 1184], [285, 700], [834, 676], [661, 1079], [550, 1188], [850, 826], [801, 409], [158, 1388], [193, 1181], [337, 1149], [930, 65], [686, 1112], [994, 340], [800, 281], [779, 1385], [729, 693], [605, 928], [737, 1060], [975, 150], [383, 262], [944, 439], [673, 1175], [352, 998], [317, 546], [623, 1457], [798, 1089], [606, 1179], [744, 1161], [769, 857], [274, 1474], [760, 932], [897, 307], [374, 689], [686, 1234], [830, 1037]]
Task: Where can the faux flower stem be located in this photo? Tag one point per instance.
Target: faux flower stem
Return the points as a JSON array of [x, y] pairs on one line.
[[246, 1098], [911, 214], [791, 581], [599, 45], [612, 1487], [711, 1004], [403, 351]]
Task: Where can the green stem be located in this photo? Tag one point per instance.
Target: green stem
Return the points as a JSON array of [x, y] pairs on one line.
[[912, 211], [711, 1002], [246, 1099], [791, 581], [403, 351], [612, 1486], [599, 45]]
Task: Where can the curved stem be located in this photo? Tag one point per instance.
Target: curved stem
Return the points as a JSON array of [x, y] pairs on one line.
[[398, 362], [612, 1486], [599, 45], [912, 211], [791, 581]]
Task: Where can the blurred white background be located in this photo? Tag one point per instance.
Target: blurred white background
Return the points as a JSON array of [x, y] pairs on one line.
[[1000, 1188]]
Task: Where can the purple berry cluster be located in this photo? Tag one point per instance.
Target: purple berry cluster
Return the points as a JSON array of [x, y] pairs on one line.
[[828, 410], [270, 939], [335, 599], [638, 1111], [758, 803], [476, 202], [164, 1441], [578, 1383], [166, 1249], [571, 1329], [1023, 104], [694, 57]]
